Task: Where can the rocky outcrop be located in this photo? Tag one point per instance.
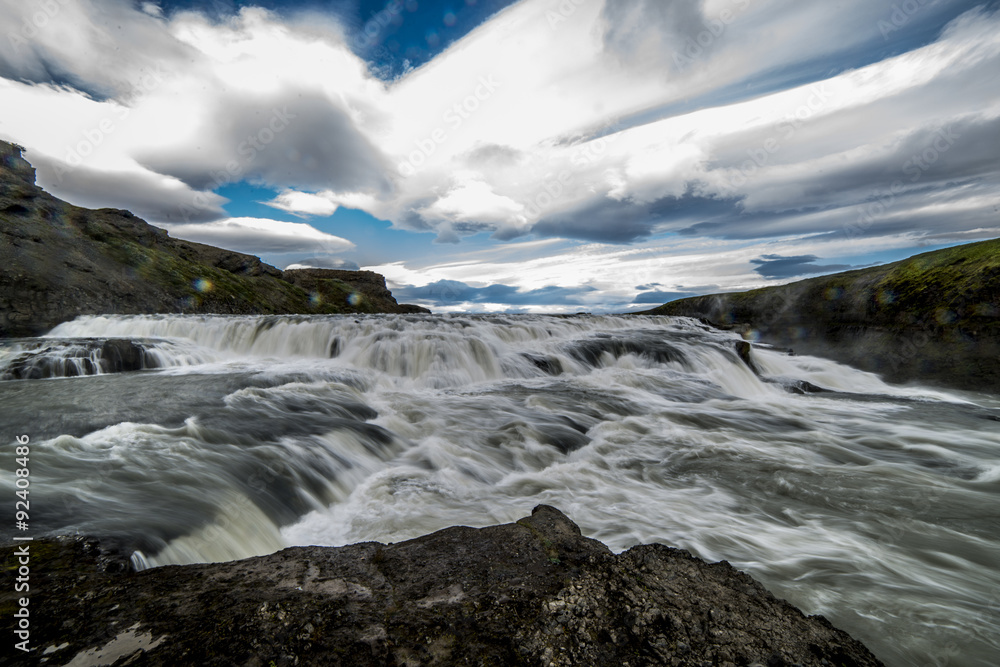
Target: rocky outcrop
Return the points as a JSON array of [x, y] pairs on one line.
[[58, 261], [367, 283], [46, 358], [534, 592], [933, 318], [14, 165]]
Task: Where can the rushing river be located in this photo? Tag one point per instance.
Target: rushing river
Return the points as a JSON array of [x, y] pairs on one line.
[[875, 505]]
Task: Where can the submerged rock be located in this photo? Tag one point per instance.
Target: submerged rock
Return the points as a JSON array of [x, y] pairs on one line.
[[534, 592], [50, 358]]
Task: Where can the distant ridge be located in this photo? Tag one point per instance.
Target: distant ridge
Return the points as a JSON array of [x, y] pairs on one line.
[[934, 317], [58, 261]]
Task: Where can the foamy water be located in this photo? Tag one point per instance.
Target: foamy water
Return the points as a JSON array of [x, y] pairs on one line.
[[872, 504]]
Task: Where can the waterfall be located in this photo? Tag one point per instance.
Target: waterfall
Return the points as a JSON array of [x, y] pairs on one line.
[[220, 437]]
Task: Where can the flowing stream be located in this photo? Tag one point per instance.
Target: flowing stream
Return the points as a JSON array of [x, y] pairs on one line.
[[875, 505]]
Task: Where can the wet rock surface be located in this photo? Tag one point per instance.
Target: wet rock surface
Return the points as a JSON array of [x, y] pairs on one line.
[[48, 358], [534, 592]]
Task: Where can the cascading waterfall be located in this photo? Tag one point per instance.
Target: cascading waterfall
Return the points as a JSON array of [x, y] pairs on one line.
[[869, 503]]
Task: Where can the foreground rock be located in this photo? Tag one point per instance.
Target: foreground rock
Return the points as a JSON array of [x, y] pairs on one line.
[[533, 592], [58, 261], [933, 318]]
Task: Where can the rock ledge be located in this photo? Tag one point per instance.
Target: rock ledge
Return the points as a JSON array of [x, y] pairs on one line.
[[534, 592]]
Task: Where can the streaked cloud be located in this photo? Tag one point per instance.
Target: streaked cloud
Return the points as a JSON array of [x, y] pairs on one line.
[[778, 266], [258, 235], [626, 133]]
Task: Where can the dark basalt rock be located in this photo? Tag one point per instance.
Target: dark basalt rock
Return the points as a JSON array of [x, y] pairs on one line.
[[592, 350], [546, 364], [534, 592], [120, 356], [743, 351], [74, 357]]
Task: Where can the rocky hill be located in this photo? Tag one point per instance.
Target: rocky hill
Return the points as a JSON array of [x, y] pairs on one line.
[[58, 261], [534, 592], [934, 317]]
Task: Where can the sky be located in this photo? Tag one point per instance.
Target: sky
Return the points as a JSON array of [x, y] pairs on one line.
[[534, 156]]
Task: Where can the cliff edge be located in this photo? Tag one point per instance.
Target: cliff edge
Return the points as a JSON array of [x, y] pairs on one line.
[[58, 261]]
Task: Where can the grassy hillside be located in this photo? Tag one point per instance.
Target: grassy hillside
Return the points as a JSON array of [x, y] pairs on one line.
[[58, 261], [932, 317]]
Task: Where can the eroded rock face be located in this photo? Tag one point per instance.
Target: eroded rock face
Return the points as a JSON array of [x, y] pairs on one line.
[[534, 592], [58, 261], [14, 164]]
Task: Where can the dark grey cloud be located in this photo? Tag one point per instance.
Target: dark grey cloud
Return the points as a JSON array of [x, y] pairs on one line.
[[883, 214], [324, 263], [629, 25], [146, 195], [451, 292], [778, 266], [115, 51], [453, 232], [936, 157], [604, 220], [658, 297], [493, 155], [294, 139], [887, 194], [613, 221], [886, 191]]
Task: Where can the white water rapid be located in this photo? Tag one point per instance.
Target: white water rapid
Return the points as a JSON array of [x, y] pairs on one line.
[[875, 505]]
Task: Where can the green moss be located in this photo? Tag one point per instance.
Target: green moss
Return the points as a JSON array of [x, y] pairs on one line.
[[919, 286], [230, 292]]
